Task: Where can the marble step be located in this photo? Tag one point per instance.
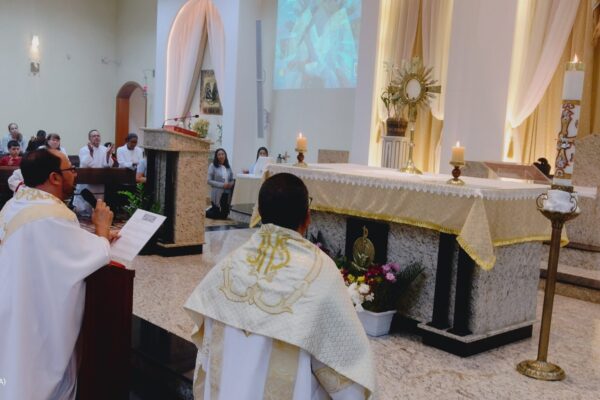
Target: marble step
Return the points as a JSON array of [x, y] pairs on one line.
[[578, 258], [575, 282]]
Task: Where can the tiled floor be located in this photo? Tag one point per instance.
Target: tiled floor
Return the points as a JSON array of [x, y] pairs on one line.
[[406, 368]]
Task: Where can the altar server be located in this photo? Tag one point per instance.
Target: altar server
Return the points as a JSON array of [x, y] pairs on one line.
[[92, 155], [44, 258], [129, 155], [274, 319]]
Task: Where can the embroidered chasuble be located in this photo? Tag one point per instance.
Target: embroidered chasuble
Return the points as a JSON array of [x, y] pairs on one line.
[[44, 258], [274, 321]]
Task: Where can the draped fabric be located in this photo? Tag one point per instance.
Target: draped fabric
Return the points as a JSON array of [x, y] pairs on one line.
[[542, 30], [398, 29], [414, 28], [196, 23], [536, 136]]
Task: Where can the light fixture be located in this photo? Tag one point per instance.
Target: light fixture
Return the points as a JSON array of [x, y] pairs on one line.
[[34, 55]]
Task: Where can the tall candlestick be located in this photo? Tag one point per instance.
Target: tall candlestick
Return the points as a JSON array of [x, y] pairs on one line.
[[569, 120], [301, 144], [458, 154]]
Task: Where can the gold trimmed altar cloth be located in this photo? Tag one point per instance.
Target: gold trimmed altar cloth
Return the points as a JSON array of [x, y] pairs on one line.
[[483, 214]]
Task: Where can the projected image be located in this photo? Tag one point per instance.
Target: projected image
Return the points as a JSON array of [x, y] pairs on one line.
[[317, 44]]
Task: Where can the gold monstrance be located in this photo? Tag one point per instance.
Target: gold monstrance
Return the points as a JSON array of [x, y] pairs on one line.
[[416, 89]]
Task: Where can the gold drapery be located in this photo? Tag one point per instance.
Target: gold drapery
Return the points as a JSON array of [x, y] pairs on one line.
[[539, 130]]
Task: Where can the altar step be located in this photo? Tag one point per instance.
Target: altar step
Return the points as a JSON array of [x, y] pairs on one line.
[[578, 274]]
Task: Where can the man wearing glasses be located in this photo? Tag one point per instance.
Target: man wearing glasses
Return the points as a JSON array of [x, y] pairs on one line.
[[44, 258]]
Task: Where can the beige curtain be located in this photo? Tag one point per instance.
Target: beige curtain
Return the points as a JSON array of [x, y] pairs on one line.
[[397, 31], [536, 136], [411, 28]]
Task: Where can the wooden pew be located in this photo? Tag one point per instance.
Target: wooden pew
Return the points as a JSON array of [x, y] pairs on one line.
[[105, 336], [113, 179]]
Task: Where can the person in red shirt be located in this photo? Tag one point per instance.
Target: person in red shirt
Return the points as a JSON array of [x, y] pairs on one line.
[[13, 158]]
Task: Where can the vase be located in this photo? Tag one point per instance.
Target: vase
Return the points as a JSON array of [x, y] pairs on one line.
[[396, 126], [376, 324]]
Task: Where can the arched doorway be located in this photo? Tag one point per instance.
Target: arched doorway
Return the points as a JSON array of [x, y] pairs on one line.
[[131, 111]]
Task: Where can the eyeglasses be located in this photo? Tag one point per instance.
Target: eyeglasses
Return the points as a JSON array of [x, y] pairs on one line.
[[72, 168]]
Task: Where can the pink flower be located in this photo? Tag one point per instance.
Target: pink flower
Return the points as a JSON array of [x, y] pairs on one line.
[[386, 268], [390, 277], [395, 267]]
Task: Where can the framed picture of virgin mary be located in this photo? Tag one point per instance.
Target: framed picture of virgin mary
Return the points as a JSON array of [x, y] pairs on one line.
[[209, 93]]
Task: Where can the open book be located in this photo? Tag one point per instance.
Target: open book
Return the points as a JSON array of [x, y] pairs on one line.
[[134, 235]]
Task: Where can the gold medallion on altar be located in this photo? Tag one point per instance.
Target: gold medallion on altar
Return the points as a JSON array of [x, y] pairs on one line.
[[363, 251]]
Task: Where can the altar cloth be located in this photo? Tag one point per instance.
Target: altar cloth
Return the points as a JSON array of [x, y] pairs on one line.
[[483, 214]]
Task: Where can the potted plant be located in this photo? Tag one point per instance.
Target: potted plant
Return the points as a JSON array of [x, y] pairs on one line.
[[376, 289], [395, 123], [201, 127]]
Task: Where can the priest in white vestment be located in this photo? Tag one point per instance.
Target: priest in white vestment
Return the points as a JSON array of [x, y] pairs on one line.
[[92, 155], [129, 155], [44, 258], [274, 320]]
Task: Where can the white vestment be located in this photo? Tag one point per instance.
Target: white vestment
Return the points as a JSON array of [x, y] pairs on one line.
[[87, 160], [44, 258], [275, 316], [127, 158]]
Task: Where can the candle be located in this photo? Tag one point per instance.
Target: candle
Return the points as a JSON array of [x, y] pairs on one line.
[[569, 120], [458, 154], [301, 143], [573, 82]]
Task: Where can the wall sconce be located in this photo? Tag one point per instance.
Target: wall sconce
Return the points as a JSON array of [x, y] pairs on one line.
[[34, 55]]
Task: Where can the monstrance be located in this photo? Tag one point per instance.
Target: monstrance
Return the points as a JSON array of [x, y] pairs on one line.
[[416, 89]]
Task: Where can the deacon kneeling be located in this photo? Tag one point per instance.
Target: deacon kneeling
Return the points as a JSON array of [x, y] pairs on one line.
[[274, 320], [44, 258]]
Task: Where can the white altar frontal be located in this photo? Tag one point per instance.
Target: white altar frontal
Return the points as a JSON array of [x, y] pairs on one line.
[[480, 245]]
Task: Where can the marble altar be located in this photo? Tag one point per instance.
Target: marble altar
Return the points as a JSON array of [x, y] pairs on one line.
[[480, 246]]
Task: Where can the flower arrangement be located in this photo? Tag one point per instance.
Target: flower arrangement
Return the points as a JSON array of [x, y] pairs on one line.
[[372, 287], [201, 127]]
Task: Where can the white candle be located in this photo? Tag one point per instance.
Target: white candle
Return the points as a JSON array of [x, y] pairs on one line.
[[573, 82], [569, 121], [301, 142], [458, 154]]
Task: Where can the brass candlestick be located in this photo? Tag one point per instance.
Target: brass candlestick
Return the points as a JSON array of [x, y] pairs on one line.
[[300, 158], [541, 368], [410, 167], [456, 174]]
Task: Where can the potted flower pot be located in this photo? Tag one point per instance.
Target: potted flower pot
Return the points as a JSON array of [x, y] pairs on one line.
[[376, 324]]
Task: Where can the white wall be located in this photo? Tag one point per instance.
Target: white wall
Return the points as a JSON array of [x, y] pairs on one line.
[[136, 44], [478, 75], [75, 90]]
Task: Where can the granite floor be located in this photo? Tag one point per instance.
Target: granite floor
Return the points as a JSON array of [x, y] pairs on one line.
[[406, 368]]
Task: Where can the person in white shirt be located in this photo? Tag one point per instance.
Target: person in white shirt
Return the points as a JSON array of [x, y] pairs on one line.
[[42, 289], [129, 155], [92, 155], [274, 319]]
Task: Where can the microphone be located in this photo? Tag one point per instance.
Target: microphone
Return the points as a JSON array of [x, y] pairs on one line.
[[89, 197], [180, 119]]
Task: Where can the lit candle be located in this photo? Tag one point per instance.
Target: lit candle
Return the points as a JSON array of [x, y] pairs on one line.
[[458, 154], [573, 82], [301, 143], [569, 120]]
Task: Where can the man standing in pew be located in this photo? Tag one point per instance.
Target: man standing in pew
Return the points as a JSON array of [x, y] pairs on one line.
[[44, 258], [92, 155]]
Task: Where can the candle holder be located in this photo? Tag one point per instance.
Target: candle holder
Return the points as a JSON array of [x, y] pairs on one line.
[[456, 174], [410, 167], [300, 158], [540, 368]]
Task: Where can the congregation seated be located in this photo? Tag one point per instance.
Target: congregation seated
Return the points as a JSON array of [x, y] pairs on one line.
[[92, 155], [13, 159], [53, 142], [129, 155], [36, 141], [261, 152], [220, 179], [13, 134]]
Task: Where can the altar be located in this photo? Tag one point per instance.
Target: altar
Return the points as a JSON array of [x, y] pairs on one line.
[[480, 246]]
